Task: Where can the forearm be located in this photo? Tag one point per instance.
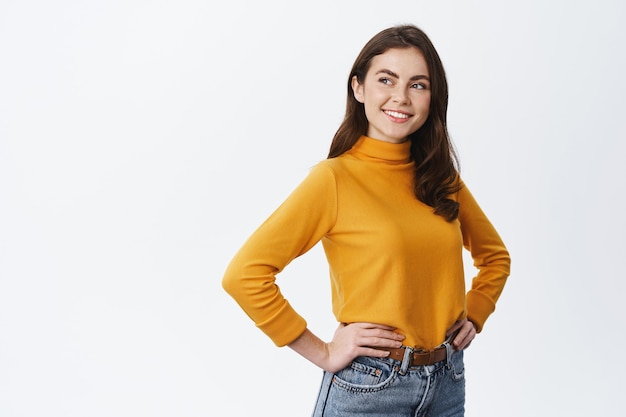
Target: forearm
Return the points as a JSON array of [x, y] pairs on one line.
[[312, 348], [490, 255]]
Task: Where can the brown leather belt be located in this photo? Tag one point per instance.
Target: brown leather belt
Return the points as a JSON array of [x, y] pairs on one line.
[[418, 357]]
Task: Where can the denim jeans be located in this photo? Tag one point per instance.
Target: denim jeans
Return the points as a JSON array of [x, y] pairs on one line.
[[387, 387]]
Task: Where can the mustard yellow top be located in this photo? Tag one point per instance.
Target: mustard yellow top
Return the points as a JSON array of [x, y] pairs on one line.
[[392, 260]]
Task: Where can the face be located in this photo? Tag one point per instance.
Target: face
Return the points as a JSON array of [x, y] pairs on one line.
[[395, 94]]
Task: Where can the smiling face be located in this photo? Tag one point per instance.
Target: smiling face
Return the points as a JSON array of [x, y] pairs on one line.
[[395, 94]]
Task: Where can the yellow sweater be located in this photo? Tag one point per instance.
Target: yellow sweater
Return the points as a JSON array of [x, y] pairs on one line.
[[392, 260]]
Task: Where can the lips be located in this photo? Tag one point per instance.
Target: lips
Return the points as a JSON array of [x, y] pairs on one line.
[[396, 114]]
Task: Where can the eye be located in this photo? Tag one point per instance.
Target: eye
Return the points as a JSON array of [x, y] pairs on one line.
[[420, 86], [385, 80]]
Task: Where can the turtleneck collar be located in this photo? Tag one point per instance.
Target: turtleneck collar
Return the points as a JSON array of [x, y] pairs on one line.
[[369, 148]]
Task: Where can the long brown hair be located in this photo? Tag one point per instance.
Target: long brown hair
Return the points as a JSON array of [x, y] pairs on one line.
[[436, 162]]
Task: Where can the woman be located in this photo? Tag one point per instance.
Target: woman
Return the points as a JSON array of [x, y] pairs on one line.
[[393, 217]]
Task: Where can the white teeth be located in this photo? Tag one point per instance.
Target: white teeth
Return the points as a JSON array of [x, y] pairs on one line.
[[396, 114]]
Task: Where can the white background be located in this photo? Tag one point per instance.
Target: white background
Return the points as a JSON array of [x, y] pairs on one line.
[[141, 142]]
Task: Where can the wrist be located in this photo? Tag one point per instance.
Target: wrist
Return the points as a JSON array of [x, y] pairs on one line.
[[312, 348]]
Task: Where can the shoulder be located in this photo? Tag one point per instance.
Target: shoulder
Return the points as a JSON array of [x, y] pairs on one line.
[[469, 207], [333, 167], [463, 192], [322, 175], [337, 170]]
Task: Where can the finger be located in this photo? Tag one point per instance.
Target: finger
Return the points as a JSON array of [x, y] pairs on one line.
[[365, 337], [377, 353], [455, 327], [379, 342], [367, 333], [460, 343], [378, 338], [465, 336]]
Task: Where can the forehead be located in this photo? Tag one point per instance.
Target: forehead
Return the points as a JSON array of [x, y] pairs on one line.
[[404, 61]]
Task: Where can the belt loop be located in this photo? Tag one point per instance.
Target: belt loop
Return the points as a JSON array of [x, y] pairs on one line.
[[406, 360], [448, 347]]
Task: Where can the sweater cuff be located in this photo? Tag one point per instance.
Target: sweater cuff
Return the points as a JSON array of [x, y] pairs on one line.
[[284, 327], [479, 308]]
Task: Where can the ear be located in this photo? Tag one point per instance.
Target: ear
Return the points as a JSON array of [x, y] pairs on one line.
[[357, 89]]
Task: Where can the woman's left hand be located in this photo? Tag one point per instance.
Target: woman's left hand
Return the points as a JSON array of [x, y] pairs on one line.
[[465, 333]]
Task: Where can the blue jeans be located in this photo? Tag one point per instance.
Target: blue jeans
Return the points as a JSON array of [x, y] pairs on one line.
[[387, 387]]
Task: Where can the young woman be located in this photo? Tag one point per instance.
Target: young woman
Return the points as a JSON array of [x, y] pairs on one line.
[[393, 217]]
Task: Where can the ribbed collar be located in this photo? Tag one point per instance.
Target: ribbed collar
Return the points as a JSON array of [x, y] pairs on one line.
[[395, 153]]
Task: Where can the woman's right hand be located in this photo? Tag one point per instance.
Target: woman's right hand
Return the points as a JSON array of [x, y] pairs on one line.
[[350, 340], [360, 339]]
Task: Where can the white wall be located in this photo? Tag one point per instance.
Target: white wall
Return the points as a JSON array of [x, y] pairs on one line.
[[142, 141]]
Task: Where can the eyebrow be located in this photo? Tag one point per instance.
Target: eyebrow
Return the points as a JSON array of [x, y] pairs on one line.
[[393, 74]]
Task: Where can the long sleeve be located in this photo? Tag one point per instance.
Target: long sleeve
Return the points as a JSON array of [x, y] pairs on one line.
[[490, 256], [294, 228], [391, 259]]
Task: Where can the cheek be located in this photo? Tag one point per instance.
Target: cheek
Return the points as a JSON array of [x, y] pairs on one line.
[[423, 105], [375, 95], [370, 113], [372, 102]]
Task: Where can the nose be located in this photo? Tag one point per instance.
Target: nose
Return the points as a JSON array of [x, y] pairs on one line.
[[400, 96]]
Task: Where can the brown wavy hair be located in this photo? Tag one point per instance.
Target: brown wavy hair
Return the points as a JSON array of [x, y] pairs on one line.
[[436, 163]]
